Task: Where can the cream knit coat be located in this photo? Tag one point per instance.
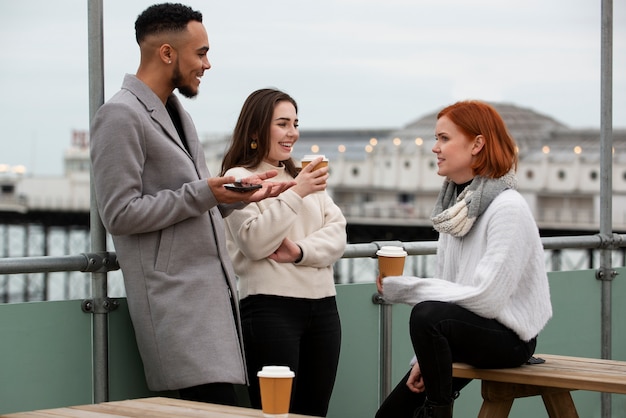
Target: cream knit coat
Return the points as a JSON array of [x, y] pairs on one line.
[[314, 222], [496, 270]]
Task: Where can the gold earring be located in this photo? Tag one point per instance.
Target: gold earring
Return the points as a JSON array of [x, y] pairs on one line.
[[253, 144]]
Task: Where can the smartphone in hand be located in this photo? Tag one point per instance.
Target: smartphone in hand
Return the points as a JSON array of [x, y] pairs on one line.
[[242, 187]]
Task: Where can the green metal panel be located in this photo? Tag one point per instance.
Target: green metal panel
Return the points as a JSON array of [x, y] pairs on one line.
[[573, 330], [356, 388], [619, 315], [126, 376], [45, 356], [45, 351], [619, 335]]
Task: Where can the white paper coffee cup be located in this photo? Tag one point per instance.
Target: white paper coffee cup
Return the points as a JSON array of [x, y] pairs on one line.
[[275, 383], [391, 260], [308, 158]]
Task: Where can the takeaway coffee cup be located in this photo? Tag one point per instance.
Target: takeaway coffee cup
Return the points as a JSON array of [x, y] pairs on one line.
[[391, 260], [275, 382], [308, 158]]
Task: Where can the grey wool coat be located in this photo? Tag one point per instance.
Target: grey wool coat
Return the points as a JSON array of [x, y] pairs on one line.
[[169, 237]]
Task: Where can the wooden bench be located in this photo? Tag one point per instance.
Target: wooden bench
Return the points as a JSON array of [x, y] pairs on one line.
[[553, 380], [147, 407]]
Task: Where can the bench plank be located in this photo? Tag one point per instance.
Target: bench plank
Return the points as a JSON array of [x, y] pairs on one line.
[[571, 373], [147, 407]]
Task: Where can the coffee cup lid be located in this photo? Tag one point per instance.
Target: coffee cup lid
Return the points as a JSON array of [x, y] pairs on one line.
[[311, 157], [275, 371], [391, 251]]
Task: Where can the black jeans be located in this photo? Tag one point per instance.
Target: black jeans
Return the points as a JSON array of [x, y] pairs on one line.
[[443, 333], [304, 334], [219, 393]]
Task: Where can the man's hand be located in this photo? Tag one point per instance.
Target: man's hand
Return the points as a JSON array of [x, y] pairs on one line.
[[268, 189]]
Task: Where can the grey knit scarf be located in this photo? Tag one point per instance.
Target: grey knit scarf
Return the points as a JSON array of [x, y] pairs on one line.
[[457, 217]]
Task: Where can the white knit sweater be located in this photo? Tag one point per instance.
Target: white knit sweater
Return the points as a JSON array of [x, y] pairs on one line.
[[496, 270], [314, 222]]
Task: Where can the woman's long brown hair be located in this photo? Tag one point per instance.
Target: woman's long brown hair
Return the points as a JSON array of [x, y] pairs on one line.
[[253, 125]]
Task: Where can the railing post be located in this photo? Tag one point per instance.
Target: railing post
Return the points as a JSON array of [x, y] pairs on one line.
[[606, 183], [385, 333], [385, 345], [98, 234]]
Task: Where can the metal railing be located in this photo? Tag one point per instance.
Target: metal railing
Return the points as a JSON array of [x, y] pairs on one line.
[[98, 264]]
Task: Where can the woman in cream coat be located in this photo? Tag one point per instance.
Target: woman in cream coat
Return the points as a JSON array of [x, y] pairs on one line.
[[283, 250]]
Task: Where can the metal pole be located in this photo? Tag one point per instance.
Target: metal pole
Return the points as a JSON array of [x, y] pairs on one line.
[[5, 279], [68, 275], [98, 234], [46, 250], [606, 274], [385, 360], [386, 322], [385, 352], [26, 252]]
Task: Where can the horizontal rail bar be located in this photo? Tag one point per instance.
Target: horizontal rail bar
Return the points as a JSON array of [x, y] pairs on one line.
[[369, 250], [107, 261], [84, 262], [549, 243], [592, 241]]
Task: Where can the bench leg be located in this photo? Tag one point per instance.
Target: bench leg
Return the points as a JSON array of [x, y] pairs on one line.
[[495, 409], [498, 399], [560, 405]]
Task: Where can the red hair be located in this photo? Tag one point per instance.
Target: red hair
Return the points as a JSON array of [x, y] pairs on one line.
[[499, 153]]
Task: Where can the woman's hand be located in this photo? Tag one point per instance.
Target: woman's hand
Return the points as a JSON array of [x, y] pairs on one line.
[[287, 252], [415, 383], [379, 283], [311, 181]]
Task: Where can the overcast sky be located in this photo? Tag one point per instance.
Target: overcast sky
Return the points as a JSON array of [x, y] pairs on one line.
[[348, 63]]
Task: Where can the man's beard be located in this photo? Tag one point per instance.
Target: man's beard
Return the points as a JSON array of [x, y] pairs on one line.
[[177, 81]]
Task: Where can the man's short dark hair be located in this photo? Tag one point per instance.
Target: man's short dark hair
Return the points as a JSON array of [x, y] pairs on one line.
[[165, 17]]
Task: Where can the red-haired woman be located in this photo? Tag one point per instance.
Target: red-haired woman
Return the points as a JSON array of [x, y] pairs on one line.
[[490, 297]]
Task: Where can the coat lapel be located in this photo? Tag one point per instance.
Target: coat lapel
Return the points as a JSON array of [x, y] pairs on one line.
[[162, 117], [158, 112], [192, 138]]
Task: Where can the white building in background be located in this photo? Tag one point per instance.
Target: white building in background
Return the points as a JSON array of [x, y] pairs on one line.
[[558, 173], [389, 176], [66, 193]]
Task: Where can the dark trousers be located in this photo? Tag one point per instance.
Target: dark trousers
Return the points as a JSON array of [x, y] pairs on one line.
[[304, 334], [443, 333], [219, 393]]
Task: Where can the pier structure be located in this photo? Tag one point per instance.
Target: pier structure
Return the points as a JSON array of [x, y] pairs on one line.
[[384, 180]]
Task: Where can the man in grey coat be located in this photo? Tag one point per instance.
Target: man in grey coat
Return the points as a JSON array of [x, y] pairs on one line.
[[164, 211]]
